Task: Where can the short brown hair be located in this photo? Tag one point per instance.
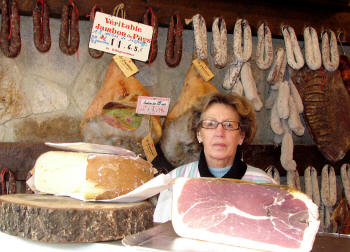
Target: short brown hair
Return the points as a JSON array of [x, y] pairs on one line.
[[240, 104]]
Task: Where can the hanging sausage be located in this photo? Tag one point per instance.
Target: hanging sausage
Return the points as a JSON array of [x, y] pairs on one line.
[[294, 56], [93, 52], [264, 48], [219, 42], [10, 39], [41, 26], [312, 49], [69, 33], [150, 19], [173, 50], [330, 54]]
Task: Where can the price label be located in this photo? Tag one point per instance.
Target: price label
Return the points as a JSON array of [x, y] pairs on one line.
[[126, 65], [148, 148], [152, 105], [120, 36], [203, 69]]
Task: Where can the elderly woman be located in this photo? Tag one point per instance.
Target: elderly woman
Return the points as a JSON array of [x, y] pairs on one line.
[[226, 122]]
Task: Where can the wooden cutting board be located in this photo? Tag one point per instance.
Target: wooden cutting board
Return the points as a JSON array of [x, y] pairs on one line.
[[51, 218]]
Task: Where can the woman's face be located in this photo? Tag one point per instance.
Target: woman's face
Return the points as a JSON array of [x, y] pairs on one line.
[[220, 145]]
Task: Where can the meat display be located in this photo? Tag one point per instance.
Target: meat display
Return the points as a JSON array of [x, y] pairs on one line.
[[41, 26], [111, 118], [244, 214], [326, 110], [179, 143], [10, 38]]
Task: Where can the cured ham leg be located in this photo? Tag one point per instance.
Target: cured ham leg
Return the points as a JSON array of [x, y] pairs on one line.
[[111, 118], [178, 142]]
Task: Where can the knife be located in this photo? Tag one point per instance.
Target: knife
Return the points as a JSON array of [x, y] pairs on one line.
[[92, 148]]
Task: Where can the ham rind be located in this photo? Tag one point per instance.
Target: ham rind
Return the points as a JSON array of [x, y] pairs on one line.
[[257, 216]]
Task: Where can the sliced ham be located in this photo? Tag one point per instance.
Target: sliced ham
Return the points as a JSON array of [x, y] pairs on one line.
[[245, 214]]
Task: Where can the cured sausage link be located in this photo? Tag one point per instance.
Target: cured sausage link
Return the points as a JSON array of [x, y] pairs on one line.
[[41, 26], [242, 54], [312, 49], [264, 49], [219, 42], [93, 52], [330, 53], [173, 51], [150, 19], [69, 33], [10, 42], [294, 56], [345, 176], [200, 36]]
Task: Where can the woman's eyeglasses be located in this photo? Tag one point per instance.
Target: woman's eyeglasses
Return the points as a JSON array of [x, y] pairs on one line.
[[227, 125]]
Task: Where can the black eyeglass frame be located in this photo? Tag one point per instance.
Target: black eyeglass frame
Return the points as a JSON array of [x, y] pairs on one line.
[[216, 123]]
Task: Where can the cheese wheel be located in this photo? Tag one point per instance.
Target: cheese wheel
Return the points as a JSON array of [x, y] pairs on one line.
[[92, 176]]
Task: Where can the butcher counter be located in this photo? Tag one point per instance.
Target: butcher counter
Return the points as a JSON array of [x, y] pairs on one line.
[[160, 238]]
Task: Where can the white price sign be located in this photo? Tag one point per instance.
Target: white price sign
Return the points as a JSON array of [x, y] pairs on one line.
[[116, 35]]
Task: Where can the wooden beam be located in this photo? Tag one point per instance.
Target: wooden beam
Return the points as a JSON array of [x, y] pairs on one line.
[[324, 14]]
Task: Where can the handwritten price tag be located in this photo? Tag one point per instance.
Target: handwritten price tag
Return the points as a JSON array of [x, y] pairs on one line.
[[203, 69], [120, 36], [148, 148], [152, 105], [126, 65]]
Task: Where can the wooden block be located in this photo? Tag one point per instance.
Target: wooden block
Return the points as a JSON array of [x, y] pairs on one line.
[[51, 218]]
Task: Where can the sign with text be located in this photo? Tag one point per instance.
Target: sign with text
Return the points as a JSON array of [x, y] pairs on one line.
[[152, 105], [120, 36]]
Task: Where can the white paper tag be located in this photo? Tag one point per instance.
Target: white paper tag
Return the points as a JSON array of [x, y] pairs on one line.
[[152, 105], [120, 36]]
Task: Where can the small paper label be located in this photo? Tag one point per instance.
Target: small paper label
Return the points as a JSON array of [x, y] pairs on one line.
[[203, 69], [148, 148], [126, 65], [120, 36], [152, 105]]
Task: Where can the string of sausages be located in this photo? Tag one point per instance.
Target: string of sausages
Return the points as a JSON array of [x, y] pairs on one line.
[[41, 26], [150, 19], [69, 37], [93, 52], [10, 37], [173, 50]]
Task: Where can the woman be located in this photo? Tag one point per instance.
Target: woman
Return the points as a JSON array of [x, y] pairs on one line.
[[226, 122]]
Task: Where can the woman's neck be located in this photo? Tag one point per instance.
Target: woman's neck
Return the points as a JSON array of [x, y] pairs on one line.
[[219, 163]]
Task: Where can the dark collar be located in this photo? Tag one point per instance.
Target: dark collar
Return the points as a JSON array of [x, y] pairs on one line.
[[237, 170]]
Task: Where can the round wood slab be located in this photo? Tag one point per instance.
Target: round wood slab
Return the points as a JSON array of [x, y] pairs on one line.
[[51, 218]]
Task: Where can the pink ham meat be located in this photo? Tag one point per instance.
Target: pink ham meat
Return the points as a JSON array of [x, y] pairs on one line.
[[245, 214]]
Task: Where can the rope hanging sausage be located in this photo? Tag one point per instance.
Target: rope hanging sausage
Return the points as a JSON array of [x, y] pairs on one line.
[[200, 36], [311, 185], [150, 19], [93, 52], [328, 194], [10, 40], [41, 26], [273, 173], [219, 42], [293, 179], [278, 65], [312, 49], [264, 48], [294, 56], [242, 54], [345, 176], [173, 50], [330, 53], [6, 176], [69, 33]]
